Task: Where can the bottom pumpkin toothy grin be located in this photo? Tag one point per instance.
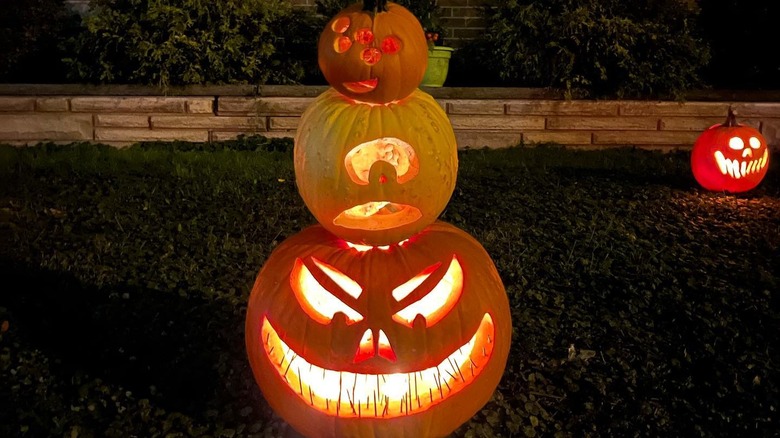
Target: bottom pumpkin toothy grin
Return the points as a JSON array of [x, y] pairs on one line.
[[346, 394]]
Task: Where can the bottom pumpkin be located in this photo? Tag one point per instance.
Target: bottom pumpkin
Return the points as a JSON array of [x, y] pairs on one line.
[[405, 340]]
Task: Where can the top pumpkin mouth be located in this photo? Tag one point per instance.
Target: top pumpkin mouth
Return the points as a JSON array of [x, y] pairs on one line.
[[377, 215], [362, 87], [355, 395]]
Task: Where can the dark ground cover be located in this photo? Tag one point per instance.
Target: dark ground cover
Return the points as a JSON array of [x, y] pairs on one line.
[[642, 305]]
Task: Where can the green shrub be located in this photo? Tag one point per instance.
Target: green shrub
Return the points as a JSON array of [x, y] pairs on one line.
[[178, 42], [30, 35], [599, 47]]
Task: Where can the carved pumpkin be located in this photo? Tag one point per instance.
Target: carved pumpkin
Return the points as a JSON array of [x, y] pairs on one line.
[[373, 55], [730, 157], [407, 340], [375, 174]]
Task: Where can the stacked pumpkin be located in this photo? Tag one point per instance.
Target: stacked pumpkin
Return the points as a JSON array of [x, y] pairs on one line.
[[381, 320]]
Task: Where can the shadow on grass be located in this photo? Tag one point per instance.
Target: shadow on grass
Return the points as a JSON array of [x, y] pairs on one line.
[[186, 354]]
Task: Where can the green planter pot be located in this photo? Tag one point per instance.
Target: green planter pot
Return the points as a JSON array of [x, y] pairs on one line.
[[438, 65]]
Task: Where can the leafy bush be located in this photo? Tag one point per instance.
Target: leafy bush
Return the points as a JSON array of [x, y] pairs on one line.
[[601, 47], [30, 36], [181, 42]]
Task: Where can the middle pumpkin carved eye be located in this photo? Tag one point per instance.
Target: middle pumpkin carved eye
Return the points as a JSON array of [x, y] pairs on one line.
[[396, 152]]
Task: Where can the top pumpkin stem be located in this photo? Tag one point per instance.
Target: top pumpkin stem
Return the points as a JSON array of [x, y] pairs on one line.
[[731, 119], [375, 5]]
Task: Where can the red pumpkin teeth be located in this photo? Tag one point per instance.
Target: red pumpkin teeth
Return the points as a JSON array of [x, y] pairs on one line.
[[738, 169], [337, 393], [362, 86]]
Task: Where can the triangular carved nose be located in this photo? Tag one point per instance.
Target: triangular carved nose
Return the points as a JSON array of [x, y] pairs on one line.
[[371, 346]]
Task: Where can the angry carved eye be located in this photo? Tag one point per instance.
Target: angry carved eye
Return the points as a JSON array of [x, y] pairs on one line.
[[435, 304], [316, 300]]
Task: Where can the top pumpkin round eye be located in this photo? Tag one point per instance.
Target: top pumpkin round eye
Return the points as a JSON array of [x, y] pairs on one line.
[[736, 143], [342, 44], [755, 143], [340, 25], [391, 45], [364, 36]]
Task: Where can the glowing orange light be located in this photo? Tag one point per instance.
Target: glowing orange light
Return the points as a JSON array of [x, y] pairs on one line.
[[438, 302], [342, 44], [402, 291], [371, 55], [377, 215], [354, 395], [364, 36], [365, 347], [349, 285], [384, 348], [391, 45], [363, 248], [340, 25], [315, 300], [361, 87]]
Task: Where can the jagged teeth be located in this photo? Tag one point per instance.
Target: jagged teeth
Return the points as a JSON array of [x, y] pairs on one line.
[[346, 394], [738, 169]]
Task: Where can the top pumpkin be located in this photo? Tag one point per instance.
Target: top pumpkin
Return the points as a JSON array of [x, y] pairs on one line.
[[373, 54]]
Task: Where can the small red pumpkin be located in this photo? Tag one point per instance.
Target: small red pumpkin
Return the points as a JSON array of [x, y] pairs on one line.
[[730, 157], [373, 52], [407, 340]]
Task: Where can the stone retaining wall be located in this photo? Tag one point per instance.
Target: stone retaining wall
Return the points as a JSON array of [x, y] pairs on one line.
[[480, 118]]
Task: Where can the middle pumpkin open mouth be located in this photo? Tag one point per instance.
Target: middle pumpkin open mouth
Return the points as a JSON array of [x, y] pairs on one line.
[[377, 215], [394, 394]]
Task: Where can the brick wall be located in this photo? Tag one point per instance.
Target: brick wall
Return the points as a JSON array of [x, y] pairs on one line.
[[507, 118], [462, 19]]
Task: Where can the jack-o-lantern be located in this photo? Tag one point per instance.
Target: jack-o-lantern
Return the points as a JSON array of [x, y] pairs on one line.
[[373, 52], [730, 157], [405, 340], [375, 174]]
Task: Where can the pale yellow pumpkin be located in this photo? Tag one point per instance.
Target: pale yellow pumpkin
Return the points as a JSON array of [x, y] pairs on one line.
[[375, 174]]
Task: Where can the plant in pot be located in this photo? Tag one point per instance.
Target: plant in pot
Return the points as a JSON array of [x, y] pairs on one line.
[[429, 13]]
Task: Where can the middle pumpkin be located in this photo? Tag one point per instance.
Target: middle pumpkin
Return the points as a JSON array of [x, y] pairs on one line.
[[375, 174]]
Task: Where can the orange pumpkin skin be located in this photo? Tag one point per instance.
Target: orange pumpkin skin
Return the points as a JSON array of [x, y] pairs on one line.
[[388, 48], [730, 157], [414, 168], [331, 345]]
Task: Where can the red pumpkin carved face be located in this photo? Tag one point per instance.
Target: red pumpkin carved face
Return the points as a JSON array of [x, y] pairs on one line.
[[730, 157], [372, 57], [375, 174], [366, 341]]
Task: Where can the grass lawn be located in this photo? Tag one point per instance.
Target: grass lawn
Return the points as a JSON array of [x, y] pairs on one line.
[[642, 305]]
